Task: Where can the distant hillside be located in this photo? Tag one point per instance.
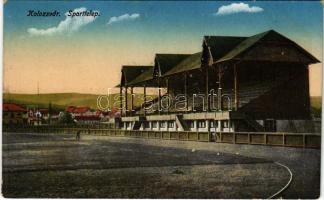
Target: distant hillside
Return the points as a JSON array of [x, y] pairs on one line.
[[62, 100], [316, 105]]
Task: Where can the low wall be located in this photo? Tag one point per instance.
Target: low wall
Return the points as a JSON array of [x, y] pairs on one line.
[[304, 140]]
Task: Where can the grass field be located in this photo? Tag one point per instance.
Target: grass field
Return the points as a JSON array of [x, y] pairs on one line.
[[53, 166]]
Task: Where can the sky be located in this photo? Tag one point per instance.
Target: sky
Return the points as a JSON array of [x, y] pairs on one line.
[[85, 54]]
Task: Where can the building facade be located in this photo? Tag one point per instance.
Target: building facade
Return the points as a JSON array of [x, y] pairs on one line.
[[257, 83], [14, 114]]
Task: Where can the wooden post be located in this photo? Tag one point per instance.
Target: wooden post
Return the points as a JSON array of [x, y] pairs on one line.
[[159, 98], [168, 92], [121, 99], [207, 89], [144, 99], [126, 103], [219, 93], [132, 100], [235, 89], [185, 89]]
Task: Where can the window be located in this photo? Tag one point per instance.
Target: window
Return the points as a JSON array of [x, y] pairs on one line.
[[201, 124], [171, 124], [154, 124], [162, 124]]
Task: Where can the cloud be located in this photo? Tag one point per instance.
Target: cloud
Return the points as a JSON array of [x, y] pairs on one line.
[[237, 8], [125, 17], [75, 19]]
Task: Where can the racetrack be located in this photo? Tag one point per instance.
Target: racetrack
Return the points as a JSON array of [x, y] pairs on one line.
[[99, 166]]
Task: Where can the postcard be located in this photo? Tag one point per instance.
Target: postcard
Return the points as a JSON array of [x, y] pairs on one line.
[[162, 99]]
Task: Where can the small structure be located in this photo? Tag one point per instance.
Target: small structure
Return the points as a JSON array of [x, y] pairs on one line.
[[14, 114], [257, 83]]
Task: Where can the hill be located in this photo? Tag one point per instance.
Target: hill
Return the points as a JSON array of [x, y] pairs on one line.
[[316, 105], [60, 101]]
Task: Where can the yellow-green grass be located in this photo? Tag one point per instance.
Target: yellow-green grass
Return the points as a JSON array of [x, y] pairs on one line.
[[62, 100]]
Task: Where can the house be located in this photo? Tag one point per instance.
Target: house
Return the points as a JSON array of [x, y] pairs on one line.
[[84, 115], [38, 116], [14, 114], [256, 83], [79, 111]]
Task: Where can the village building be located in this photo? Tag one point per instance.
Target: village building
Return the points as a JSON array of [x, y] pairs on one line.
[[257, 83], [14, 114], [84, 115]]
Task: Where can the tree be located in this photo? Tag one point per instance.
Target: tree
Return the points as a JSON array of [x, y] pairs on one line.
[[66, 118]]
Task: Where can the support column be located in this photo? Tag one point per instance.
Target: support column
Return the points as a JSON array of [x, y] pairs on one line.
[[121, 99], [207, 88], [236, 100], [144, 99], [126, 103], [186, 91], [220, 126], [168, 92], [159, 97], [132, 100], [219, 92]]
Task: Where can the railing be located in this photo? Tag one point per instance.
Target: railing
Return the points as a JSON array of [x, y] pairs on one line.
[[303, 140]]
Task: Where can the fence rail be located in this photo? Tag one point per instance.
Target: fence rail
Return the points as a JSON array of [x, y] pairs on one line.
[[304, 140]]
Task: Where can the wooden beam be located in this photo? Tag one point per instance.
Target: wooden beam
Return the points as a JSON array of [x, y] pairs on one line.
[[159, 97], [219, 91], [168, 92], [236, 100], [132, 100], [144, 99], [186, 90], [207, 88], [121, 99], [126, 103]]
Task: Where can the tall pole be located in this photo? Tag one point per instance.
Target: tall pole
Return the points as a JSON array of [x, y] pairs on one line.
[[144, 99], [121, 99], [219, 94], [236, 102], [168, 92], [132, 100], [126, 103], [186, 90], [207, 88], [159, 98]]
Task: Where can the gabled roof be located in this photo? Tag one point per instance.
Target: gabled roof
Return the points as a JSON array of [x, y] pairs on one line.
[[129, 73], [221, 45], [166, 62], [190, 63], [12, 107], [145, 76], [261, 37], [74, 109]]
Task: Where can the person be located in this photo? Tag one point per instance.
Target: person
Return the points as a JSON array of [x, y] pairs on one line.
[[77, 137]]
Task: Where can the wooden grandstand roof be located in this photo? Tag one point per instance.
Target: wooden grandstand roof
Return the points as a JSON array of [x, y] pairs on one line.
[[129, 73], [221, 48], [268, 36], [190, 63], [165, 62]]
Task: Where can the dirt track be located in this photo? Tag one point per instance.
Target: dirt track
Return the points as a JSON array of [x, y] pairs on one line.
[[57, 166]]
